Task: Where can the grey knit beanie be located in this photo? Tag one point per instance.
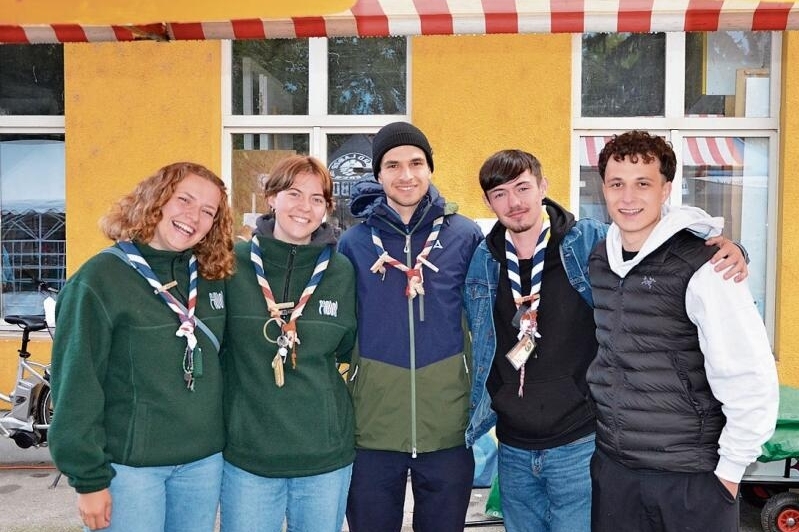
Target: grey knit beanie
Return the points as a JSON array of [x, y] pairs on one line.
[[398, 134]]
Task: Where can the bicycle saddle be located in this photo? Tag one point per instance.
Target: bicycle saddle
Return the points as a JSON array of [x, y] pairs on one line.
[[32, 323]]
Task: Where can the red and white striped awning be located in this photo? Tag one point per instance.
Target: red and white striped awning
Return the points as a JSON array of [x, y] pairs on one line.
[[697, 151], [371, 18]]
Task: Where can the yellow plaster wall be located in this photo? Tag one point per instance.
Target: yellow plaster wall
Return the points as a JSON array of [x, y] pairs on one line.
[[475, 95], [787, 337], [131, 108]]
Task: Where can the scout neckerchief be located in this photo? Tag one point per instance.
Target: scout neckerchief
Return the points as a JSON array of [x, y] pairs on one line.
[[415, 276], [526, 306], [192, 357], [288, 338]]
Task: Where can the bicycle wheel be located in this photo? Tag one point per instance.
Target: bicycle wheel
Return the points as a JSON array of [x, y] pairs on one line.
[[44, 407]]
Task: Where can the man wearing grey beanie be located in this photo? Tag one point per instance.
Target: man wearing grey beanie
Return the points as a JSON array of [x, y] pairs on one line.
[[409, 380]]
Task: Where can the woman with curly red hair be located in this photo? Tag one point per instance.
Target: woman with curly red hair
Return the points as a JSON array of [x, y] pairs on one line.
[[136, 378]]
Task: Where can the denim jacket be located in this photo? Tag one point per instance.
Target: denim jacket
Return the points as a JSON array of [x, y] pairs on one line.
[[480, 292]]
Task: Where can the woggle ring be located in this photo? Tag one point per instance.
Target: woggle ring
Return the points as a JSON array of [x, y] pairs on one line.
[[280, 324]]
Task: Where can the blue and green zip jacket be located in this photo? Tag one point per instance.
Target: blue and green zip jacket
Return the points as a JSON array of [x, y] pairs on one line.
[[410, 378]]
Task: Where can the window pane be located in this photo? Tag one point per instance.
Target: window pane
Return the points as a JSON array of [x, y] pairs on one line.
[[728, 176], [623, 74], [33, 223], [349, 159], [366, 76], [253, 157], [592, 202], [270, 77], [31, 79], [727, 73]]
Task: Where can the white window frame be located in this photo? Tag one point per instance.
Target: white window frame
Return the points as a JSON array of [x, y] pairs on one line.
[[674, 126], [317, 124], [29, 125]]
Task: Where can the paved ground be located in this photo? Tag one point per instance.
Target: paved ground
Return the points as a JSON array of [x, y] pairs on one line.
[[31, 504]]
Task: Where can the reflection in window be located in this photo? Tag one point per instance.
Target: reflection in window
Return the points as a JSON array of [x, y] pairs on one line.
[[32, 227], [349, 160], [623, 74], [31, 79], [270, 77], [727, 73], [253, 156], [592, 201], [366, 76], [728, 177]]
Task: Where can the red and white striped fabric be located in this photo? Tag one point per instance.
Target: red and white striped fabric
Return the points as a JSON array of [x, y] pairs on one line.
[[374, 18], [697, 151], [711, 151]]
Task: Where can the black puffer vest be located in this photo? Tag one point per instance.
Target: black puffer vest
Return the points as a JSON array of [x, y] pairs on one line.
[[654, 405]]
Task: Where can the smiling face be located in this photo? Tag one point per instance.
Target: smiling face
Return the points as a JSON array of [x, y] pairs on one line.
[[405, 177], [518, 202], [299, 209], [188, 215], [634, 194]]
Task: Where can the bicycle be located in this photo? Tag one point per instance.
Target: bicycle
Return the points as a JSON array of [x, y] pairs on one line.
[[31, 403]]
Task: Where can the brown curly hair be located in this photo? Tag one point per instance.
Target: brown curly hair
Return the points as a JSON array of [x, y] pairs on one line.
[[136, 215], [635, 144]]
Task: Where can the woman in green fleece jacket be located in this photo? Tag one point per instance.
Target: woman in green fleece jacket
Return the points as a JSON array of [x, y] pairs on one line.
[[137, 382], [291, 318]]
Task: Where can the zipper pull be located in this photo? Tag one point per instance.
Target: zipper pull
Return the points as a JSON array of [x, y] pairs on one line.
[[413, 452], [407, 244]]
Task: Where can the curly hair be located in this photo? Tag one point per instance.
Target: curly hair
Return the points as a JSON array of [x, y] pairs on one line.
[[136, 215], [282, 176], [635, 144]]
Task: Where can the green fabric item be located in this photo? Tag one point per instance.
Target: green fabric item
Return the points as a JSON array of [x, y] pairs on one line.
[[383, 404], [117, 372], [306, 427], [784, 443], [493, 503]]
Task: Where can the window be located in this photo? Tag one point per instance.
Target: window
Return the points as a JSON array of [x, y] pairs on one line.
[[714, 96], [32, 191], [324, 97]]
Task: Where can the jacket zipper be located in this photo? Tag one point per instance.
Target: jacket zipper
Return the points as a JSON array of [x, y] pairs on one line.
[[411, 329], [292, 255], [412, 338]]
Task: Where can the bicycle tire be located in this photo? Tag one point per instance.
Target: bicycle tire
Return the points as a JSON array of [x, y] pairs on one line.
[[44, 410]]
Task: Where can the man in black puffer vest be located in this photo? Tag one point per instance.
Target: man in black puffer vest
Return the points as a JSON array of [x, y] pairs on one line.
[[684, 380]]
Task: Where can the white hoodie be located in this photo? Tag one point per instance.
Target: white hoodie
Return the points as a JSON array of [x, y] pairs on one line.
[[739, 363]]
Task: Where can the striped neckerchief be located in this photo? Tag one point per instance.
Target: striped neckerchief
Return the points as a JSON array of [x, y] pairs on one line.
[[192, 359], [528, 324], [288, 329], [415, 275]]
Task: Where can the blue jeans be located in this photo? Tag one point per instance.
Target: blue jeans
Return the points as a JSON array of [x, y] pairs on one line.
[[180, 498], [547, 490], [252, 503]]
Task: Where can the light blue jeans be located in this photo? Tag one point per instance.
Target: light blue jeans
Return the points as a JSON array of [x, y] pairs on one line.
[[252, 503], [547, 490], [180, 498]]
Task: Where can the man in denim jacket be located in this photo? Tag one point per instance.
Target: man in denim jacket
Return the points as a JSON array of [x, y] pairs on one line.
[[539, 401]]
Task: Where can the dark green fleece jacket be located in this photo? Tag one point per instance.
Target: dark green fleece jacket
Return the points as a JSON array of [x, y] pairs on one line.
[[117, 371], [306, 427]]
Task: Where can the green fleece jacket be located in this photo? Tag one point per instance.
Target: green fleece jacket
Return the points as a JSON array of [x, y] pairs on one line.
[[117, 371], [306, 427]]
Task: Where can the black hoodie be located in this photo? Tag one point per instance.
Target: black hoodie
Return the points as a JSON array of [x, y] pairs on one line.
[[555, 408]]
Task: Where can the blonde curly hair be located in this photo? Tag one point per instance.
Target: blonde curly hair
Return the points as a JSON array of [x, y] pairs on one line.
[[136, 215]]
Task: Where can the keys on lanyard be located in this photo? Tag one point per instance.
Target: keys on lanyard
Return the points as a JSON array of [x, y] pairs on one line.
[[280, 359], [284, 343], [192, 366]]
